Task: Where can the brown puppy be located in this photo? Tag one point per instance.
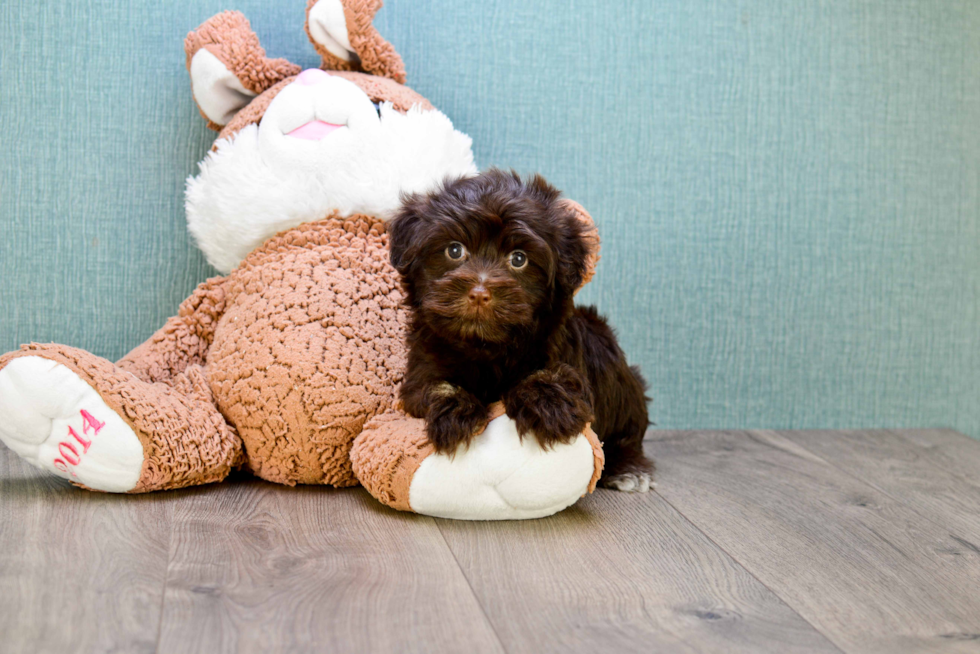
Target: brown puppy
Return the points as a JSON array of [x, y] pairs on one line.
[[489, 265]]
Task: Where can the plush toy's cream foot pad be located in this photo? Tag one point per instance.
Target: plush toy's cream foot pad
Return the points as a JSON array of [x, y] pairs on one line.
[[501, 477], [498, 477], [57, 422]]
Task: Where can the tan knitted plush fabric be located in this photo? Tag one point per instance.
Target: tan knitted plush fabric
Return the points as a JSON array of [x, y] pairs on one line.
[[386, 455], [229, 37], [591, 238], [309, 348], [288, 356]]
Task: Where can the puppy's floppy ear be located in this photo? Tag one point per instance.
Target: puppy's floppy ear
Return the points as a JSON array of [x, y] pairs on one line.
[[404, 238], [589, 237]]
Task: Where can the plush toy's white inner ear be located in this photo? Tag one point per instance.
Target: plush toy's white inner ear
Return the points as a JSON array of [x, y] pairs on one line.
[[328, 27], [217, 91]]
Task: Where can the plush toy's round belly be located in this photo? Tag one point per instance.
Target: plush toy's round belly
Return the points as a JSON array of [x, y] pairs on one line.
[[310, 347]]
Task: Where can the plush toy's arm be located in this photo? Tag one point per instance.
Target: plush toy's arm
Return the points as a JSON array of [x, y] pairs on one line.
[[498, 476], [184, 339], [228, 67]]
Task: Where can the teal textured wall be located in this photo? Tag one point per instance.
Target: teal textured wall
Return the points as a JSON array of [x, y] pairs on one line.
[[788, 193]]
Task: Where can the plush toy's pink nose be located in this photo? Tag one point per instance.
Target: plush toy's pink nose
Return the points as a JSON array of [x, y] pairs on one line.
[[312, 76]]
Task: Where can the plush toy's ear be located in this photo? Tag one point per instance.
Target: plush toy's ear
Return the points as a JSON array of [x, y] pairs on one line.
[[343, 35], [590, 235], [228, 67]]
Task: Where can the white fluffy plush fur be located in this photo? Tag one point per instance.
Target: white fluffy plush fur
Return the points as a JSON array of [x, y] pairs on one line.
[[262, 181]]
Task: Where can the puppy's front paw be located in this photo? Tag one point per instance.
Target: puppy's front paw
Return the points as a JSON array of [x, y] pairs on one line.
[[454, 417], [553, 404]]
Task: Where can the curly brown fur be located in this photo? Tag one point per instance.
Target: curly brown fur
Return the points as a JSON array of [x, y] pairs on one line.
[[489, 324]]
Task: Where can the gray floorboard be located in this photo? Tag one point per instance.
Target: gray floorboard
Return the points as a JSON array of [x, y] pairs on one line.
[[906, 472], [621, 573], [863, 541], [256, 567], [956, 454], [79, 571], [866, 570]]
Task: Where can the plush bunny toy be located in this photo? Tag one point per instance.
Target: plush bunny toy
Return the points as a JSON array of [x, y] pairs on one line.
[[288, 366]]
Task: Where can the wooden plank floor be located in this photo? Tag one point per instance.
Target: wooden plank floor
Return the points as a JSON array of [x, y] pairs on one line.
[[758, 541]]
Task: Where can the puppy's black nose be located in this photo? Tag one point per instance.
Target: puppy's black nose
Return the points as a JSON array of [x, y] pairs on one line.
[[479, 296]]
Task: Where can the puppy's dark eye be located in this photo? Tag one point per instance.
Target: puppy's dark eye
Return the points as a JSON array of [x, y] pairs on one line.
[[518, 259], [456, 251]]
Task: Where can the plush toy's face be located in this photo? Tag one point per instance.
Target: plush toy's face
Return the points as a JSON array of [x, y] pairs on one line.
[[321, 145]]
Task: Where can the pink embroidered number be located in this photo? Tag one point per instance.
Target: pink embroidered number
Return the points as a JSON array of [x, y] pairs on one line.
[[72, 458], [90, 422], [69, 453], [81, 441]]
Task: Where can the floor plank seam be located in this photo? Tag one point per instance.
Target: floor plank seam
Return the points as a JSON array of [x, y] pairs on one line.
[[741, 565], [166, 578], [469, 585]]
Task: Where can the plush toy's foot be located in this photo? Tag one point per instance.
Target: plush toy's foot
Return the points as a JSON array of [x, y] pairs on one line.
[[498, 476], [87, 420], [57, 422]]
